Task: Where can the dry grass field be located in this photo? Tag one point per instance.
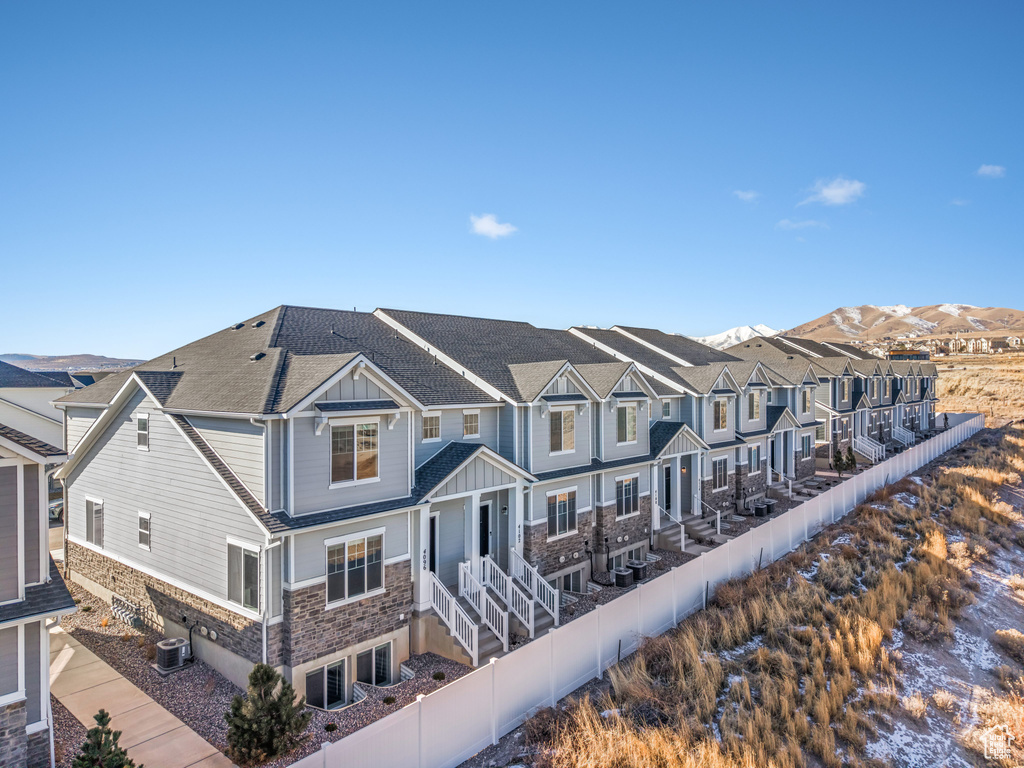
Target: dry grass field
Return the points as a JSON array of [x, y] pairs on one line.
[[891, 639], [990, 384]]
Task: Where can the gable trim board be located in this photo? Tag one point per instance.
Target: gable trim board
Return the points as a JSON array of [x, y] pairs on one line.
[[566, 368], [358, 365]]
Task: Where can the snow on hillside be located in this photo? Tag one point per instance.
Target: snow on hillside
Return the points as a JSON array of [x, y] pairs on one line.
[[898, 310], [955, 309], [736, 335]]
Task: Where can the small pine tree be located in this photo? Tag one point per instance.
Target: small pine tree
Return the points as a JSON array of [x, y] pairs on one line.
[[838, 462], [101, 749], [265, 723], [851, 459]]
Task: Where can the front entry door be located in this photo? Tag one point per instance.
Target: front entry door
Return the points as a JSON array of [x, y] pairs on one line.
[[432, 558], [667, 501], [485, 529]]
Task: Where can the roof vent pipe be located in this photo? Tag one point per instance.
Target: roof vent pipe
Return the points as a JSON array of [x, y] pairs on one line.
[[174, 362]]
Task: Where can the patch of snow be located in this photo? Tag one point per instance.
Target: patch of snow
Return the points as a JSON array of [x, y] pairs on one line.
[[742, 650], [917, 479], [843, 326], [853, 313], [844, 539], [907, 747], [977, 323], [610, 713], [899, 310], [907, 499], [897, 638], [736, 335], [974, 651], [955, 309], [920, 323]]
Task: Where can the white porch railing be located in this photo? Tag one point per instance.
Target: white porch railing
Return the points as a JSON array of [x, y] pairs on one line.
[[905, 436], [773, 473], [676, 520], [535, 584], [718, 515], [869, 447], [488, 610], [463, 628], [517, 601]]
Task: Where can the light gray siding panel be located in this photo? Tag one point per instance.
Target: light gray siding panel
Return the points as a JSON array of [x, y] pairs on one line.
[[612, 450], [729, 433], [350, 389], [78, 421], [240, 444], [192, 512], [543, 461], [476, 475], [33, 519], [451, 545], [9, 533], [311, 553], [746, 424], [313, 468], [681, 443], [539, 494], [506, 431], [451, 431], [33, 683], [608, 480], [9, 661]]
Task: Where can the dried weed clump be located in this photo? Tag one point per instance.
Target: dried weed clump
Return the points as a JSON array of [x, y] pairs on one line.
[[780, 667]]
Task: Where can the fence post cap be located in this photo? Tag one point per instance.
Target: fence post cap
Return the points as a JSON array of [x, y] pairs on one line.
[[493, 661], [421, 697]]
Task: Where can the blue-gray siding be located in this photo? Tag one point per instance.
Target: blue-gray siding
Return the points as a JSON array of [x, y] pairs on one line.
[[451, 431], [33, 683], [240, 444], [9, 662], [33, 519], [8, 533], [311, 553], [77, 421], [543, 461]]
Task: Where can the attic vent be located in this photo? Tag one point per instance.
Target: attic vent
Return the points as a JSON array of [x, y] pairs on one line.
[[237, 326], [258, 356], [258, 323]]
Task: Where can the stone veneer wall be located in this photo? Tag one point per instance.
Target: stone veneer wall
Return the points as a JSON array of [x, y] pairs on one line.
[[238, 634], [750, 486], [637, 528], [313, 631], [724, 500], [39, 750], [13, 743], [804, 468], [543, 554]]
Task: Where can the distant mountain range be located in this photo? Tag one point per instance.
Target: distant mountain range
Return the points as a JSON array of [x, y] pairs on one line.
[[873, 323], [67, 362], [735, 335]]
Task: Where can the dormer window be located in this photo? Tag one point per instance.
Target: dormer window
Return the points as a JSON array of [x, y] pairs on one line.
[[721, 415], [563, 430], [142, 431], [354, 452], [626, 423]]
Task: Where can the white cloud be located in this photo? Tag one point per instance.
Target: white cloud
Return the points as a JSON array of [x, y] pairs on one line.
[[839, 191], [806, 224], [992, 171], [959, 201], [747, 195], [489, 226]]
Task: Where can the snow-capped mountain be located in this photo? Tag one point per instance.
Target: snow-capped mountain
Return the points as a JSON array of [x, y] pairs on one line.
[[871, 322], [735, 335]]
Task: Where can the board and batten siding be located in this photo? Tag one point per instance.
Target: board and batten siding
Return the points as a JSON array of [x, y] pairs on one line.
[[33, 519], [451, 431], [77, 422], [543, 460], [192, 512], [311, 552], [239, 443], [477, 475], [9, 533]]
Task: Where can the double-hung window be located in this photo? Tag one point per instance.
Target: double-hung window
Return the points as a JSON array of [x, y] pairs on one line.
[[754, 459], [354, 452], [844, 392], [563, 430], [142, 431], [431, 428], [561, 512], [719, 474], [144, 530], [94, 522], [627, 496], [354, 567], [805, 446], [626, 423], [244, 575], [666, 409], [808, 400], [471, 424], [721, 415], [325, 686], [754, 406], [888, 388]]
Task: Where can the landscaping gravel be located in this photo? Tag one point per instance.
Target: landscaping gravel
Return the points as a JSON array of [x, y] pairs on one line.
[[68, 735]]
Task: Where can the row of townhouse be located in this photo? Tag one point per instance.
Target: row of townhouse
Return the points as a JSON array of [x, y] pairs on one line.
[[331, 492], [31, 589]]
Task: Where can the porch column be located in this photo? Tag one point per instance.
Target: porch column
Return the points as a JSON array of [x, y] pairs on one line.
[[697, 485], [677, 486], [420, 522], [515, 517], [473, 532]]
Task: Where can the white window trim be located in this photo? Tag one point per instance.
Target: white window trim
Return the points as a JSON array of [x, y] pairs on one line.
[[562, 409], [469, 412], [727, 473], [639, 495], [146, 516], [636, 421], [430, 415], [142, 417], [666, 404], [344, 539], [95, 501], [346, 422], [726, 407], [549, 494]]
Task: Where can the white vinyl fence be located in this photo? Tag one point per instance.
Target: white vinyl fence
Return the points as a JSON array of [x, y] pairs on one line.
[[450, 725]]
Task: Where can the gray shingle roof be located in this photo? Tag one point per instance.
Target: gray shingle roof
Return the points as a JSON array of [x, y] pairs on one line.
[[642, 355], [41, 600], [29, 443], [18, 378], [511, 356], [682, 347], [270, 362]]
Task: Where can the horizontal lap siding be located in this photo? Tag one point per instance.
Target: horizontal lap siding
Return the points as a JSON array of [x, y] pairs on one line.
[[9, 533], [311, 553], [240, 444], [540, 492], [543, 462], [506, 431], [77, 422], [8, 660], [33, 683], [451, 540], [192, 512], [33, 520], [644, 470], [612, 451], [451, 432], [313, 468]]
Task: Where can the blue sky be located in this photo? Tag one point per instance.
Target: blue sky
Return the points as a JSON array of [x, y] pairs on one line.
[[168, 169]]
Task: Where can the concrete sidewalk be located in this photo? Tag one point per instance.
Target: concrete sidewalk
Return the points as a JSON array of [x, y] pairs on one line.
[[84, 684]]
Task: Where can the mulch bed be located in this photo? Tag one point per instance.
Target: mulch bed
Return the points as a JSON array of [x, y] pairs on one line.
[[68, 734]]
